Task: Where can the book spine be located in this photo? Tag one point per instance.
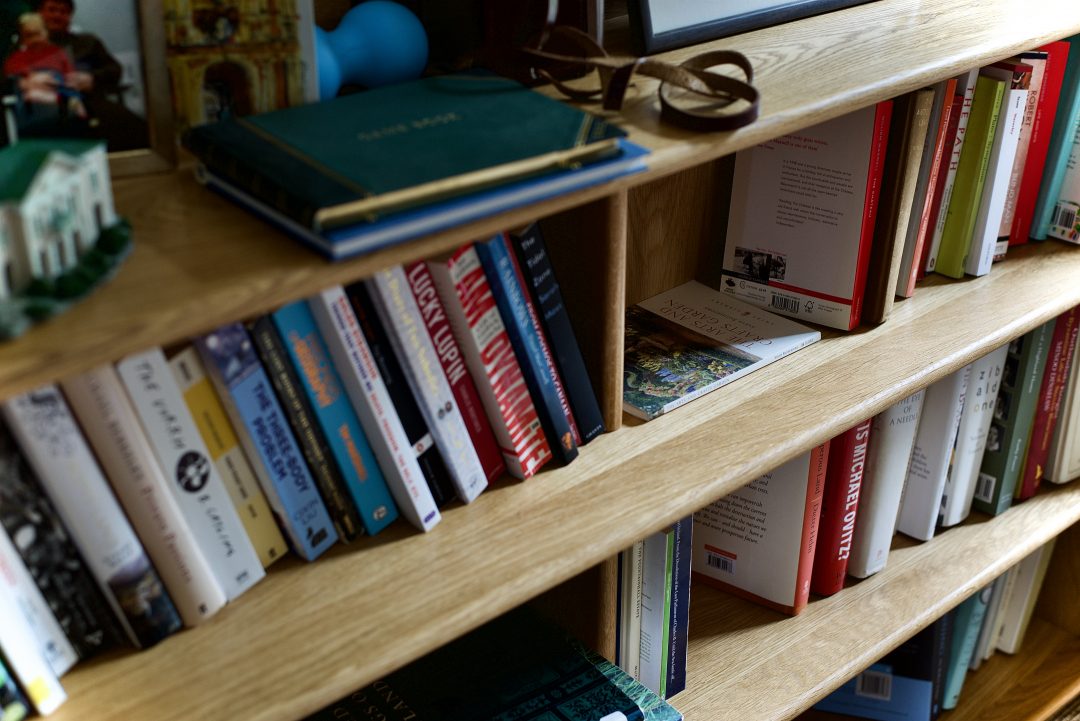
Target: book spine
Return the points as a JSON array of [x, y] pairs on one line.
[[474, 317], [815, 490], [893, 431], [543, 289], [882, 120], [510, 299], [680, 606], [930, 457], [986, 643], [264, 432], [112, 427], [840, 503], [942, 639], [1063, 461], [980, 400], [49, 554], [637, 572], [33, 609], [942, 171], [1061, 139], [969, 616], [42, 423], [400, 315], [332, 410], [193, 479], [311, 438], [446, 347], [21, 653], [401, 396], [359, 374], [655, 601], [233, 465], [1059, 362], [1038, 62], [1030, 574], [13, 706]]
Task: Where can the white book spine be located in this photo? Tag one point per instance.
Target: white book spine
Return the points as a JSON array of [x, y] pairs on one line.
[[931, 455], [194, 480], [893, 433], [1020, 605], [979, 402], [654, 595], [965, 85], [397, 309], [635, 556], [987, 640], [98, 399], [359, 374], [998, 172], [43, 425], [23, 658], [1002, 610], [18, 584]]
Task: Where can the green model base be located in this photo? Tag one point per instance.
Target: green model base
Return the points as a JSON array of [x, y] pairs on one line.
[[45, 298]]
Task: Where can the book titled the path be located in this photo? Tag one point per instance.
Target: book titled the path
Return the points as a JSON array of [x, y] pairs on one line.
[[690, 340]]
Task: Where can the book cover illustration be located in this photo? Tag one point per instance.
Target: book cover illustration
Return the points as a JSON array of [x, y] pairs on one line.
[[690, 340]]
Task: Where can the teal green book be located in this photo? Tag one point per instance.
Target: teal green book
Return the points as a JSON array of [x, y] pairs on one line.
[[968, 622], [653, 707], [1013, 416], [362, 156], [1066, 124], [970, 177]]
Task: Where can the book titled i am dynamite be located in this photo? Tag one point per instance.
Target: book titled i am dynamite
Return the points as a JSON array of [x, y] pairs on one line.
[[691, 340]]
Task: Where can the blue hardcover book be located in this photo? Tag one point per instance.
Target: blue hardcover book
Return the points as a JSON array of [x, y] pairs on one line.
[[1061, 140], [680, 606], [348, 444], [267, 439], [966, 625], [500, 268]]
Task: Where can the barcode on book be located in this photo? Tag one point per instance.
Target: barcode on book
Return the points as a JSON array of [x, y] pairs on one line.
[[785, 303], [875, 685], [984, 487], [1064, 216], [722, 563]]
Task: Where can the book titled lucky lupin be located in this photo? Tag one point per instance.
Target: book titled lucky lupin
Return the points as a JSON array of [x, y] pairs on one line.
[[692, 339]]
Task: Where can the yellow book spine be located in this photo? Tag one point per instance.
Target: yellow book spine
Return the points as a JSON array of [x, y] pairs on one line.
[[220, 438]]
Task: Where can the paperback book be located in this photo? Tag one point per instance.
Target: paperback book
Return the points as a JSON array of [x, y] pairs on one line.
[[839, 507], [22, 654], [1062, 142], [690, 340], [1063, 460]]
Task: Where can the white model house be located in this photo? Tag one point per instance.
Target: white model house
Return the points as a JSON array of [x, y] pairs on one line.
[[55, 199]]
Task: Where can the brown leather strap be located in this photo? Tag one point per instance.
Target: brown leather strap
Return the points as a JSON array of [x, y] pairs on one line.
[[692, 95]]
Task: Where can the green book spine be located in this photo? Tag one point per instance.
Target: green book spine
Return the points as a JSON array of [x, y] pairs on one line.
[[1010, 426], [665, 644], [970, 176], [969, 617]]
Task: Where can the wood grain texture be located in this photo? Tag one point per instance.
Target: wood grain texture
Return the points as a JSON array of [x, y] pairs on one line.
[[1059, 601], [748, 662]]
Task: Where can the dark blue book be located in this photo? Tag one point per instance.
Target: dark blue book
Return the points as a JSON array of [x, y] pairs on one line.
[[500, 269], [264, 432], [543, 288], [678, 633], [336, 417]]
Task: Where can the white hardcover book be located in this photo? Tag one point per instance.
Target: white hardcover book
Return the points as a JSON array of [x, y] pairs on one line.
[[893, 433], [655, 610], [987, 640], [23, 658], [112, 427], [46, 430], [998, 173], [194, 480], [999, 616], [1021, 602], [1063, 463], [982, 393], [630, 610], [359, 374], [18, 584], [932, 454], [398, 311], [965, 85]]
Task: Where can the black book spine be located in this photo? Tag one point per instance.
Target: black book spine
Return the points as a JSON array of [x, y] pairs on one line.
[[943, 631], [58, 570], [298, 410], [680, 606], [416, 430], [543, 288]]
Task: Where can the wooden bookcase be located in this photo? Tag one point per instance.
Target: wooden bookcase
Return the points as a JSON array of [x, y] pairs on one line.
[[313, 632]]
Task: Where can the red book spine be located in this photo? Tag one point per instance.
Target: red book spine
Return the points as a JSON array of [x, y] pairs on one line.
[[933, 186], [1039, 145], [453, 364], [882, 118], [815, 488], [940, 171], [1058, 363], [843, 480]]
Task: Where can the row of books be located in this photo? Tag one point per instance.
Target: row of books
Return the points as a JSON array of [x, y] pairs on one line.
[[926, 674], [944, 179], [141, 497]]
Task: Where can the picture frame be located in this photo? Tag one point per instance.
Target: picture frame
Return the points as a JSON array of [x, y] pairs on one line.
[[92, 69], [659, 25]]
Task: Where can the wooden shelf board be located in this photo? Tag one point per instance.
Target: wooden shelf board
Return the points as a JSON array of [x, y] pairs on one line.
[[200, 262], [353, 617], [747, 662]]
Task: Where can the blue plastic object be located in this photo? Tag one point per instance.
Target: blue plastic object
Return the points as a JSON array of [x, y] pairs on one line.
[[377, 43]]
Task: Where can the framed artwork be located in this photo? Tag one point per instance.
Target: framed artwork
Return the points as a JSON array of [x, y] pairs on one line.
[[92, 69], [660, 25]]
